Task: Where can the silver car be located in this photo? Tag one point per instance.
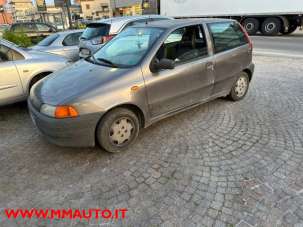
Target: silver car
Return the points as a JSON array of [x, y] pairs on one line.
[[62, 43], [21, 68], [146, 73], [99, 32]]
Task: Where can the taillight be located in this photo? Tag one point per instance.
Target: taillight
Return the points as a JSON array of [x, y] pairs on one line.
[[107, 38], [250, 43]]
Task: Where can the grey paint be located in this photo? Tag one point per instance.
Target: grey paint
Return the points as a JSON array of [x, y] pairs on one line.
[[57, 47], [94, 90], [15, 76]]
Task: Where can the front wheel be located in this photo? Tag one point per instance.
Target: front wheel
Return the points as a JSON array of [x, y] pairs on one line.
[[117, 130], [240, 87]]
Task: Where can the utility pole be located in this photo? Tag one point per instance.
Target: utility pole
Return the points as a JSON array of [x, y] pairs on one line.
[[68, 14]]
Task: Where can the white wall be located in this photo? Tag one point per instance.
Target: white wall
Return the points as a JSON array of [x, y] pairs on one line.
[[183, 8]]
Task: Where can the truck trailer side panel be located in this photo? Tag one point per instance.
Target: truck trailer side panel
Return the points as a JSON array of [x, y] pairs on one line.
[[198, 8]]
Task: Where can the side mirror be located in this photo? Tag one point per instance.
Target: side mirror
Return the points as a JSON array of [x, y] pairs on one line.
[[164, 63]]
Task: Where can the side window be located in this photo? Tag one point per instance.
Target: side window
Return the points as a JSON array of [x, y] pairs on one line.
[[30, 27], [7, 54], [72, 39], [4, 54], [184, 44], [43, 28], [17, 28], [226, 36]]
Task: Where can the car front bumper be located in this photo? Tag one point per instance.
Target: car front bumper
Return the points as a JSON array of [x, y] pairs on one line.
[[69, 132]]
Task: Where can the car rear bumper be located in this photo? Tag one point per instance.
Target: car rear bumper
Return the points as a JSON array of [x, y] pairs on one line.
[[69, 132]]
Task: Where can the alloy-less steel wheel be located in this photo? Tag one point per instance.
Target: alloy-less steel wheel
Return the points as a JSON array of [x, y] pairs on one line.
[[118, 129], [240, 87]]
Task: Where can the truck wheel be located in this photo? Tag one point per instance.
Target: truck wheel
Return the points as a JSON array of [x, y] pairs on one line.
[[251, 25], [291, 29], [271, 26], [117, 130]]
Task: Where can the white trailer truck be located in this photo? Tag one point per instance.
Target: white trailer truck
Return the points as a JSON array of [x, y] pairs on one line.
[[270, 17]]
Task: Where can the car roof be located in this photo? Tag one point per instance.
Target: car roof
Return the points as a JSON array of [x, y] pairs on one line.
[[117, 23], [168, 24], [69, 32], [129, 18]]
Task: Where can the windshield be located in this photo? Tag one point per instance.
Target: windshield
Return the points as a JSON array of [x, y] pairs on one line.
[[95, 30], [48, 40], [129, 47]]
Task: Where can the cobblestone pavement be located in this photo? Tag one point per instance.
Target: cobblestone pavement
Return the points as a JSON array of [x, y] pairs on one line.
[[220, 164]]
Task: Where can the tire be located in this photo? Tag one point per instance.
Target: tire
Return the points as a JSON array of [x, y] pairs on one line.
[[239, 90], [251, 25], [291, 29], [271, 26], [109, 132]]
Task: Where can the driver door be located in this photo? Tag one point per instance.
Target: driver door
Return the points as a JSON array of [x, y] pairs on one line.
[[10, 84], [190, 82]]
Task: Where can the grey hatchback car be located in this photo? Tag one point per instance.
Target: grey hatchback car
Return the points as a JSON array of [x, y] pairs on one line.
[[146, 73]]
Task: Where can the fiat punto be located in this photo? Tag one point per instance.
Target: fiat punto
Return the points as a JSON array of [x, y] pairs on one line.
[[146, 73]]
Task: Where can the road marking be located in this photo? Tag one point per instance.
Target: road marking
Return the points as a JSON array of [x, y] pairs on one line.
[[276, 54]]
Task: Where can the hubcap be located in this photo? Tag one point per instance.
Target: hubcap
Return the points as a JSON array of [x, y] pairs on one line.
[[241, 86], [249, 26], [121, 131], [270, 26]]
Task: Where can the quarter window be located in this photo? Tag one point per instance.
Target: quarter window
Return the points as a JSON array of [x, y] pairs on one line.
[[226, 36], [7, 54], [184, 44]]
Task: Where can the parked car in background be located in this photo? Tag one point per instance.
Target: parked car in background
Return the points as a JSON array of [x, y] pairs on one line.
[[35, 30], [3, 28], [144, 74], [61, 43], [21, 68], [99, 32]]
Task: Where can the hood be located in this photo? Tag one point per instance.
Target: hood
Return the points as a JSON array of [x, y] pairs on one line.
[[38, 54], [76, 80]]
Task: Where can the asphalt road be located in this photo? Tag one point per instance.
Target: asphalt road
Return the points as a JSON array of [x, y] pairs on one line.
[[291, 45]]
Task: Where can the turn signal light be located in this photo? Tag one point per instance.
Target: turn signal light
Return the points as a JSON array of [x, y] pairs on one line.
[[65, 112]]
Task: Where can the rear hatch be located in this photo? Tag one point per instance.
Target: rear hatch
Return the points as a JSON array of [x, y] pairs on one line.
[[95, 31]]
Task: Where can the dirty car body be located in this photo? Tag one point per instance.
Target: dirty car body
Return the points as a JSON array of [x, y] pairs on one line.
[[165, 68]]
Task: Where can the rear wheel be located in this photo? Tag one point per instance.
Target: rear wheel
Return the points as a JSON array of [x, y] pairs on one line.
[[240, 87], [271, 26], [117, 130], [251, 25], [291, 29]]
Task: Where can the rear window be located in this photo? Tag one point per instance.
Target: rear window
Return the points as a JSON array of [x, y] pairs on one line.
[[227, 35], [95, 30], [48, 40]]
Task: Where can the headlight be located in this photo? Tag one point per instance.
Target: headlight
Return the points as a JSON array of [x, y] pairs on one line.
[[48, 110], [59, 111]]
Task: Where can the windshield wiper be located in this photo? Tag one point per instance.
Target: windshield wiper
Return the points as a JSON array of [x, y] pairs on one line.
[[108, 62]]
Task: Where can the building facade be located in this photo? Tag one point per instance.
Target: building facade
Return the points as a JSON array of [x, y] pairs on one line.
[[5, 14], [22, 10], [96, 9], [134, 7]]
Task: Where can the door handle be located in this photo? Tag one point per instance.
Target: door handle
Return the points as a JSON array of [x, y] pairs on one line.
[[210, 66]]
